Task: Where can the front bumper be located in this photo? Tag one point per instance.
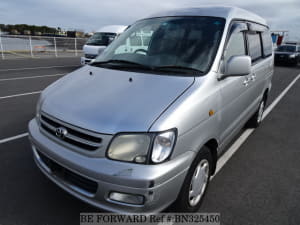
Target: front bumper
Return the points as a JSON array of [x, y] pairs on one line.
[[158, 184], [285, 59]]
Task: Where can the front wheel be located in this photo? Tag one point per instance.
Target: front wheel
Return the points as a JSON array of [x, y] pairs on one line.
[[196, 183]]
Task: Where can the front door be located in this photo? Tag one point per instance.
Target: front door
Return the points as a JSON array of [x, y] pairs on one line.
[[235, 99]]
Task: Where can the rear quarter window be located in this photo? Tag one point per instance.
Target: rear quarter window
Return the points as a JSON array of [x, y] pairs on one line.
[[267, 43]]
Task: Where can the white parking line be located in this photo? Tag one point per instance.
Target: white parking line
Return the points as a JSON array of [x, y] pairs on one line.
[[237, 144], [233, 148], [13, 138], [31, 77], [36, 68], [275, 102], [18, 95]]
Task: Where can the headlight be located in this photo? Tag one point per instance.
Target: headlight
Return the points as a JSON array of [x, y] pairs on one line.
[[130, 148], [292, 56], [137, 147], [163, 146]]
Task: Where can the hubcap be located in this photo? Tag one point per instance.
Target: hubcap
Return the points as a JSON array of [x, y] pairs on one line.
[[260, 111], [199, 182]]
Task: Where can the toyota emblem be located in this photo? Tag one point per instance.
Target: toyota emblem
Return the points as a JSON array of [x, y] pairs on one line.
[[61, 132]]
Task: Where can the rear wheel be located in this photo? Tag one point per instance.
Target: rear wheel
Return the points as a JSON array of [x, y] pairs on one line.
[[196, 183], [256, 119]]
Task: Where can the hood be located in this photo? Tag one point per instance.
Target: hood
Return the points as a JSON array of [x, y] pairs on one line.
[[93, 49], [111, 101]]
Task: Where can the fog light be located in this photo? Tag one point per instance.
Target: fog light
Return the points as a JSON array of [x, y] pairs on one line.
[[127, 198]]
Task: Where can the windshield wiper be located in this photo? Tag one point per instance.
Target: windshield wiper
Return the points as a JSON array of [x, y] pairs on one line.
[[122, 63], [178, 68], [129, 64]]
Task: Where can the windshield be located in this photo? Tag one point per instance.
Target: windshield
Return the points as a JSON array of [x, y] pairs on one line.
[[286, 48], [169, 43], [100, 38]]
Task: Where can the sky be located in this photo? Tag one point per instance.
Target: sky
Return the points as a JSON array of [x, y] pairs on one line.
[[90, 15]]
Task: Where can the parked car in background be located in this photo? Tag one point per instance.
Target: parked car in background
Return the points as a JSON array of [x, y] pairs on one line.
[[150, 118], [99, 41], [292, 43], [287, 54]]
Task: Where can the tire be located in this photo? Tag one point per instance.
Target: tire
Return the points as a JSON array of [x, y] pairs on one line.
[[202, 165], [256, 119]]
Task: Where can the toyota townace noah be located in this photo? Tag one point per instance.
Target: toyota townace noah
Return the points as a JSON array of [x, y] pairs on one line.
[[142, 127]]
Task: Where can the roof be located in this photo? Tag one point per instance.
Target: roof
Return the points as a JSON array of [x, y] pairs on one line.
[[226, 12], [112, 29]]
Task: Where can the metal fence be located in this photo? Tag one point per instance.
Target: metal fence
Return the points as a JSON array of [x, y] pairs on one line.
[[19, 46]]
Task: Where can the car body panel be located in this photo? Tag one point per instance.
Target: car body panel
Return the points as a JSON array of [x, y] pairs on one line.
[[107, 102], [154, 182]]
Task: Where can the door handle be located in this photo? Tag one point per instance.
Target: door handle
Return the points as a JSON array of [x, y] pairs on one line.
[[246, 82]]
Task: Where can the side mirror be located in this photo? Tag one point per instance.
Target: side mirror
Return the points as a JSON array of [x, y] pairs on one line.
[[237, 66]]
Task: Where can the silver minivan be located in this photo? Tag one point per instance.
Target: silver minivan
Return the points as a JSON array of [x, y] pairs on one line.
[[143, 126]]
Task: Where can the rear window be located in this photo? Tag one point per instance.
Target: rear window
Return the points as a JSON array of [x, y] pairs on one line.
[[267, 43], [254, 45]]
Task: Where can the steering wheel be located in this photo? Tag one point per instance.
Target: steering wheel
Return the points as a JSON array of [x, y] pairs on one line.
[[141, 50]]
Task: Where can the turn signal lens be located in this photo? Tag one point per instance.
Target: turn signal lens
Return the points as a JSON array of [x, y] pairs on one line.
[[163, 146]]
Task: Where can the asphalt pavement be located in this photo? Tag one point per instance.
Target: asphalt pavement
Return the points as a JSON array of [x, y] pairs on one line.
[[260, 184]]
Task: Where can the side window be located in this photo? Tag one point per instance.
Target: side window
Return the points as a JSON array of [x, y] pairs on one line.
[[235, 46], [267, 43], [254, 45]]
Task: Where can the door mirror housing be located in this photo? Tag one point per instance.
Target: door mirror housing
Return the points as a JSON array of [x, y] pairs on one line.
[[237, 66]]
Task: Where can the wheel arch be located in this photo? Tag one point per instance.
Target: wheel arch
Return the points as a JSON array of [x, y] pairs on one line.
[[266, 94], [212, 145]]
